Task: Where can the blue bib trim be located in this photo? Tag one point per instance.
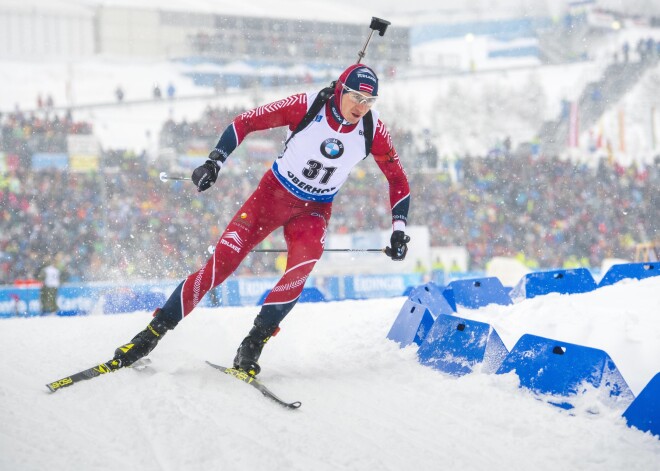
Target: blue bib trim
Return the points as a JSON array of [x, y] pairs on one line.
[[297, 191]]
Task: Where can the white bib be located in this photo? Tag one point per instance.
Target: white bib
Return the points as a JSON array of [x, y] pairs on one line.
[[318, 160]]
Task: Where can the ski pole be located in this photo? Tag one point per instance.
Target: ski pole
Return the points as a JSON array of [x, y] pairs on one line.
[[211, 249], [165, 177], [377, 24], [325, 250]]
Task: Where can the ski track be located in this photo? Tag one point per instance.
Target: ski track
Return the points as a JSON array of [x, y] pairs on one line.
[[367, 404]]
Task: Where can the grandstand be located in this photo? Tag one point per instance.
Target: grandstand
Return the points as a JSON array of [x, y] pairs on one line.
[[547, 210]]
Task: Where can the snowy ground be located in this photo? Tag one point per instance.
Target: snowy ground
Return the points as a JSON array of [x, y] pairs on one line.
[[366, 403]]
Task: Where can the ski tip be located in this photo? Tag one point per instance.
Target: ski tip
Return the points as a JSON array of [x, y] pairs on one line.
[[62, 383], [251, 380]]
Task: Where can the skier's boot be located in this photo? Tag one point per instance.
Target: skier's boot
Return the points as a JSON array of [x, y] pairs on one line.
[[144, 342], [250, 349]]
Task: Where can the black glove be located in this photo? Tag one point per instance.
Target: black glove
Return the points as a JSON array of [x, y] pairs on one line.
[[399, 249], [205, 175]]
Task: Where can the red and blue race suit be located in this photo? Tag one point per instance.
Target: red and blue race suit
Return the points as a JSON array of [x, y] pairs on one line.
[[296, 194]]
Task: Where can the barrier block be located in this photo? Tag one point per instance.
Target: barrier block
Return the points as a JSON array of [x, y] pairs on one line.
[[430, 295], [130, 301], [312, 295], [476, 293], [411, 325], [636, 271], [556, 368], [458, 346], [151, 300], [308, 295], [119, 302], [71, 313], [579, 280], [644, 412]]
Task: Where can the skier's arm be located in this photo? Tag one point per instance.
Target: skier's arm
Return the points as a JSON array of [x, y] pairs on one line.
[[388, 161], [288, 111], [285, 112]]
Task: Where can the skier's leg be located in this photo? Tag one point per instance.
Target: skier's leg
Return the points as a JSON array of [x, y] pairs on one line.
[[251, 224], [305, 240], [234, 245]]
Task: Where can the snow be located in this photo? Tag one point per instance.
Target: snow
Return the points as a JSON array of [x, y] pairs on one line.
[[367, 404]]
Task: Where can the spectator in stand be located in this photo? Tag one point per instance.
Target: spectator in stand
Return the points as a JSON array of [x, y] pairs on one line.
[[650, 47], [171, 90], [626, 51], [641, 49], [429, 151], [50, 277]]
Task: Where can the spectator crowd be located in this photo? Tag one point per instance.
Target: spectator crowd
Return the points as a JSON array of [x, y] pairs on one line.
[[122, 222], [23, 135]]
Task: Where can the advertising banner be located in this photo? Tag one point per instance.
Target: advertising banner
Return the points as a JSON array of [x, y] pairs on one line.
[[114, 298], [84, 152], [45, 160]]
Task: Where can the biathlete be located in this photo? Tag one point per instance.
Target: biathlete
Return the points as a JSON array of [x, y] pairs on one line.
[[296, 194]]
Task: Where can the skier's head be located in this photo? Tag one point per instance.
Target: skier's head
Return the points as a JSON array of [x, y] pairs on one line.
[[356, 92]]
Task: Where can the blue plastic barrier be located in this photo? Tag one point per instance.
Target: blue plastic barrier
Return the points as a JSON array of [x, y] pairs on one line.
[[411, 325], [476, 293], [574, 281], [312, 295], [130, 301], [149, 301], [430, 295], [548, 366], [636, 271], [308, 295], [71, 313], [120, 302], [236, 291], [644, 412], [457, 346]]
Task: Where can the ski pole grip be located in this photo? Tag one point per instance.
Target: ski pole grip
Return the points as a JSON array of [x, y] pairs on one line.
[[379, 24]]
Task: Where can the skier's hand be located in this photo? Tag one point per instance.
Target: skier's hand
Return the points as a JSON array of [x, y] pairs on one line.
[[399, 249], [205, 175]]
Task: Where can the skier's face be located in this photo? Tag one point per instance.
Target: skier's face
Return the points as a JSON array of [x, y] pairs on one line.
[[353, 107]]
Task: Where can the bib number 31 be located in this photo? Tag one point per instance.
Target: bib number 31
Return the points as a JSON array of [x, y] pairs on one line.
[[314, 168]]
